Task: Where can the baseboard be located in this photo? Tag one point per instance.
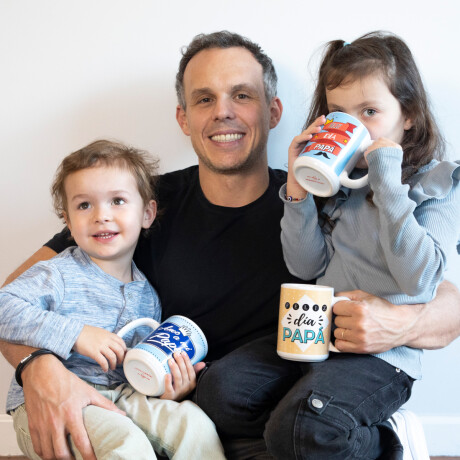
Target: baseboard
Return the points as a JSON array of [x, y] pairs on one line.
[[442, 435], [8, 445]]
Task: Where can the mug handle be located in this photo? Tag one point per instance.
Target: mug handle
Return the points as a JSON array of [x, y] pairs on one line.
[[136, 323], [338, 299], [353, 183], [334, 301], [362, 181]]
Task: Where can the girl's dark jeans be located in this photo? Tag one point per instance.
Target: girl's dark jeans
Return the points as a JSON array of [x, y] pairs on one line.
[[335, 409]]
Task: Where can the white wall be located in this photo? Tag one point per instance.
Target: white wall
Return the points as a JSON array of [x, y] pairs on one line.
[[74, 71]]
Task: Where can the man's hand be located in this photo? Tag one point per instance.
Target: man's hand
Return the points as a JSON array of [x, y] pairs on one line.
[[182, 379], [369, 324], [105, 347], [54, 399]]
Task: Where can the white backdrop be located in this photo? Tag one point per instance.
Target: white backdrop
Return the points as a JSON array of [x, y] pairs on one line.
[[74, 71]]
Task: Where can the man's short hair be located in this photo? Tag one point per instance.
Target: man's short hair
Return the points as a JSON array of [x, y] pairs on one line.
[[226, 39]]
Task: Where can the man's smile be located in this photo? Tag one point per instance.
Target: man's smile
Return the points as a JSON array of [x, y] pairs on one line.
[[226, 137]]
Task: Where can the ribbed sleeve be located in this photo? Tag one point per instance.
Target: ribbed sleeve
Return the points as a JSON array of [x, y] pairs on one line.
[[413, 239], [306, 249]]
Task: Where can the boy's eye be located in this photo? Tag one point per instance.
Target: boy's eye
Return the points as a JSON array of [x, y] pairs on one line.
[[370, 112], [118, 201], [84, 205]]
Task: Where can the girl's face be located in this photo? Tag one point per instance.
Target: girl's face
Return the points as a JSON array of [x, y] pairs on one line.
[[371, 102]]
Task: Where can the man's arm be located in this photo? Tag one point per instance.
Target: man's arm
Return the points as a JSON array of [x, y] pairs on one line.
[[368, 324], [54, 405]]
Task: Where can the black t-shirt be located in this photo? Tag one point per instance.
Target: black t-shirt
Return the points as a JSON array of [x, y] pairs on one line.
[[222, 267]]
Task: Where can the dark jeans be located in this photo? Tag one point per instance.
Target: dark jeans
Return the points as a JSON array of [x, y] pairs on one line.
[[335, 409]]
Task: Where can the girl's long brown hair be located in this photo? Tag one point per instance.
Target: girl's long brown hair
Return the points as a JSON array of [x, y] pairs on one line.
[[387, 55]]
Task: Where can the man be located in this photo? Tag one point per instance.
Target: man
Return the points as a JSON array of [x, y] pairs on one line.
[[216, 256]]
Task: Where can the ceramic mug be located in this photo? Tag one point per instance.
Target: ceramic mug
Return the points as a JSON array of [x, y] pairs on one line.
[[146, 365], [329, 157], [305, 318]]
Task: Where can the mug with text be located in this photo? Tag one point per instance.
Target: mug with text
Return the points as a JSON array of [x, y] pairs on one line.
[[146, 365], [304, 328], [330, 156]]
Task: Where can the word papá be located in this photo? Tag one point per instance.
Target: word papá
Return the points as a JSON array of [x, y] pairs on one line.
[[333, 137]]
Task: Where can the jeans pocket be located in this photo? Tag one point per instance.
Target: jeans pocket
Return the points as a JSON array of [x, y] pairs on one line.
[[318, 402]]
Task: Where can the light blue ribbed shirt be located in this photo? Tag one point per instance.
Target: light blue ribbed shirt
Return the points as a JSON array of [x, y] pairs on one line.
[[395, 250], [48, 305]]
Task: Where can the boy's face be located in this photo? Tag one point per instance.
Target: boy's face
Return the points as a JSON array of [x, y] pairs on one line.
[[105, 214]]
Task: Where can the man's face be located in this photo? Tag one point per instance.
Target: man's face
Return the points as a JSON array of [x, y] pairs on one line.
[[227, 115]]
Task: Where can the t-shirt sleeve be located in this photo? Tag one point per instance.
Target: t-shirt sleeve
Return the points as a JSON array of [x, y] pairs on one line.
[[61, 241]]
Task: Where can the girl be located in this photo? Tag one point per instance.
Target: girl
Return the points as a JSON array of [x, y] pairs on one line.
[[389, 238]]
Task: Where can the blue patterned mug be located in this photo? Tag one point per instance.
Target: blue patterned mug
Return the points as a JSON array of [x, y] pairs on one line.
[[146, 365]]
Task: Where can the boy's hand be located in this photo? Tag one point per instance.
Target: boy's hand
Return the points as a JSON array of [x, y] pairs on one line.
[[182, 379], [297, 145], [105, 347]]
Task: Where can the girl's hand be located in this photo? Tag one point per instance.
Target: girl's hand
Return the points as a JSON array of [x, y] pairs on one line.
[[105, 347], [297, 145], [380, 143], [182, 379]]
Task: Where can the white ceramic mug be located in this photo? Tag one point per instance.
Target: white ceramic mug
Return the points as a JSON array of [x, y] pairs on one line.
[[305, 318], [146, 365], [330, 156]]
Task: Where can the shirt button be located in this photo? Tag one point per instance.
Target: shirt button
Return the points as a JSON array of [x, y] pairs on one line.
[[317, 403]]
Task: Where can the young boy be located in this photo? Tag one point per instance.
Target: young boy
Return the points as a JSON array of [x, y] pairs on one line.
[[73, 304]]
